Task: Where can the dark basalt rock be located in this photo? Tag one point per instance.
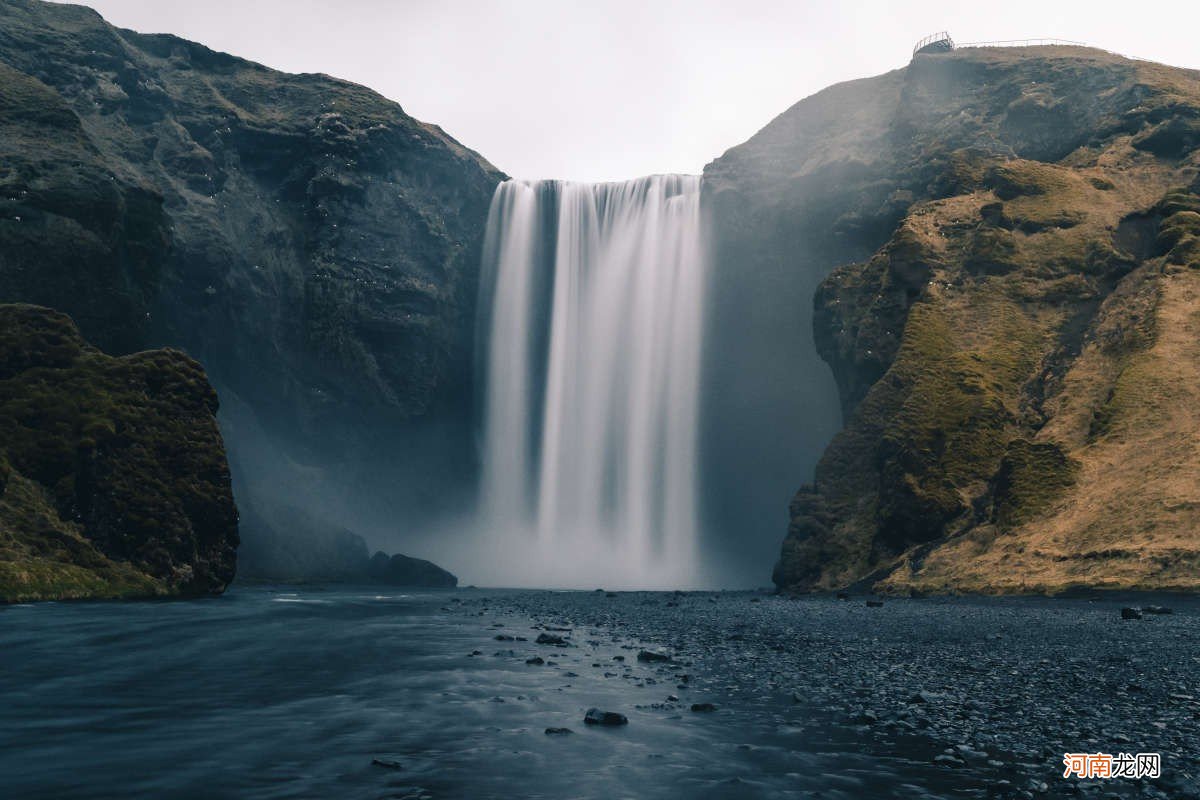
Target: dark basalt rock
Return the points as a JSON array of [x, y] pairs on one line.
[[550, 638], [113, 478], [595, 716], [400, 570], [315, 247], [1156, 610], [1130, 613]]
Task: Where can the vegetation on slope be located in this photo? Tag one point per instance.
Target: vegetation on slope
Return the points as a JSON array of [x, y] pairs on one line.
[[113, 479], [1015, 362]]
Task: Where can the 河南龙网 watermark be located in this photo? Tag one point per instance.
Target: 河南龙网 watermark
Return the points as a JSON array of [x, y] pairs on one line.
[[1106, 765]]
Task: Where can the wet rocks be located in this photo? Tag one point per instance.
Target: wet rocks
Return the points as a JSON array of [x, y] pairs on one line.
[[1156, 610], [703, 708], [550, 638], [536, 661], [595, 716], [559, 731], [651, 657], [1130, 613]]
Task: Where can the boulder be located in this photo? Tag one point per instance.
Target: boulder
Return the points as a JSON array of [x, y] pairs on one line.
[[595, 716]]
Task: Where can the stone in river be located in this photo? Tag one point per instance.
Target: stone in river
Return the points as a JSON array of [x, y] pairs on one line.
[[1156, 610], [875, 604], [549, 638], [558, 731], [703, 707], [650, 656], [1130, 613], [595, 716], [537, 661], [389, 763]]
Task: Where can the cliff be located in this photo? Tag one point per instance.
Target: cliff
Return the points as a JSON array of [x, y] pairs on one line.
[[1015, 358], [311, 244], [113, 479]]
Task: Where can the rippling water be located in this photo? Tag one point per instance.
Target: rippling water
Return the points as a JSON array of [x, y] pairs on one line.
[[284, 693]]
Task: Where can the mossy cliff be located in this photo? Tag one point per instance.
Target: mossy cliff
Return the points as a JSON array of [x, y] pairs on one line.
[[314, 246], [1018, 359], [113, 479]]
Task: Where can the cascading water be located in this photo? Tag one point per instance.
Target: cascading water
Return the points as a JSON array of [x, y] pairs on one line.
[[591, 304]]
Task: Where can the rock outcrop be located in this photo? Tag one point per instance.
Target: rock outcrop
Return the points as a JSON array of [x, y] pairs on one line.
[[1015, 361], [285, 544], [311, 244], [400, 570], [113, 478]]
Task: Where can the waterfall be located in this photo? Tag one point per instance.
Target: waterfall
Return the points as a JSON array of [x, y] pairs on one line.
[[590, 326]]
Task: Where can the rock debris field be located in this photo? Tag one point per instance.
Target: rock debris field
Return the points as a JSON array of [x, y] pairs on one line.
[[975, 696]]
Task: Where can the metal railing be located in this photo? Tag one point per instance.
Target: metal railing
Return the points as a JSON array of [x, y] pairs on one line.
[[940, 36], [1024, 43], [944, 37]]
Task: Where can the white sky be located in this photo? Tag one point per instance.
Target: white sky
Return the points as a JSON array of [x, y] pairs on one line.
[[613, 89]]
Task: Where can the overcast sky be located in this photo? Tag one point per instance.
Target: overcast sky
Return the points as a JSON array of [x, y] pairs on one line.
[[613, 89]]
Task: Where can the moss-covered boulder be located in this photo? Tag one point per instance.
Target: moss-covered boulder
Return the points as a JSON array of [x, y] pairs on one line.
[[113, 478]]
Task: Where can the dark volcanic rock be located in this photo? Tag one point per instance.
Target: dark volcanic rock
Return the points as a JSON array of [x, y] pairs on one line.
[[113, 479], [595, 716], [550, 638], [402, 570], [1130, 613], [311, 244], [285, 543]]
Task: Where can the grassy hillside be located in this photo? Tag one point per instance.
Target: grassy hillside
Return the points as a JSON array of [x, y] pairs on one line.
[[1016, 359]]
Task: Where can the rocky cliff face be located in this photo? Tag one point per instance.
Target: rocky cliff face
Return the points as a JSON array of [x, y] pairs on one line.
[[310, 243], [113, 479], [1014, 359]]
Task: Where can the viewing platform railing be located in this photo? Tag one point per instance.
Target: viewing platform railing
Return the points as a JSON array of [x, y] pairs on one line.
[[941, 39], [1023, 43]]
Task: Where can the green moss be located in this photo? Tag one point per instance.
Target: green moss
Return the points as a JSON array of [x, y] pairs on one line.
[[951, 428], [121, 468], [1031, 477], [1172, 138], [992, 251], [1176, 228], [43, 557]]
